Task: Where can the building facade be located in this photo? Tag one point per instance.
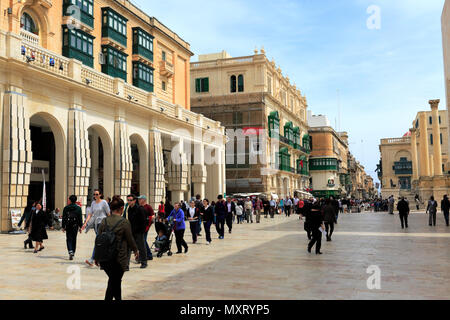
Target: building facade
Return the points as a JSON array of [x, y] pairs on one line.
[[417, 162], [445, 26], [97, 95], [265, 117]]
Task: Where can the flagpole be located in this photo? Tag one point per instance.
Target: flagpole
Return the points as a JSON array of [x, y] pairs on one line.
[[44, 196]]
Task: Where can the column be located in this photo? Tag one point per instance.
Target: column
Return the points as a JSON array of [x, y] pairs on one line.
[[123, 164], [157, 180], [437, 150], [423, 146], [199, 173], [79, 159], [414, 153], [93, 146], [16, 155], [178, 171]]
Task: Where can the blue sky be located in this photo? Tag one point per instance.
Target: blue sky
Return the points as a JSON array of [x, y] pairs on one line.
[[384, 76]]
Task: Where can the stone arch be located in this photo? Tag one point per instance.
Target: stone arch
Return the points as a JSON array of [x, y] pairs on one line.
[[108, 157], [136, 139], [60, 156], [403, 154], [39, 16]]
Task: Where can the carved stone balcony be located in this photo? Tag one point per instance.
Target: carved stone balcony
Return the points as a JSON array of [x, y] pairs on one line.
[[166, 69]]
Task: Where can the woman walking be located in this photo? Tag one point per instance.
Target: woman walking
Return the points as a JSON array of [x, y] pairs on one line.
[[207, 215], [178, 218], [125, 243], [99, 210], [316, 222], [193, 213], [36, 227]]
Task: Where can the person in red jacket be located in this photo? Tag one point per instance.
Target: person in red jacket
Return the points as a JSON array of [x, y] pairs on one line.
[[149, 221]]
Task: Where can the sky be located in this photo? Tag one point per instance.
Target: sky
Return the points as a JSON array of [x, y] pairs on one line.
[[384, 74]]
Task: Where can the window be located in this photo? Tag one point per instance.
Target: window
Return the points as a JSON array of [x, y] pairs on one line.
[[143, 76], [142, 43], [27, 23], [114, 26], [116, 62], [163, 56], [202, 85], [233, 83], [269, 84], [241, 83], [417, 124], [237, 117], [441, 137], [163, 85], [431, 139], [431, 120], [79, 45], [439, 119]]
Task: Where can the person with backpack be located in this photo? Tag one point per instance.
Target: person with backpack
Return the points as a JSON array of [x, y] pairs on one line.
[[72, 221], [432, 209], [137, 217], [150, 214], [113, 244]]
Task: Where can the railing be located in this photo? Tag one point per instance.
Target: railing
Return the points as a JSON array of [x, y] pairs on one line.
[[221, 62], [29, 37], [137, 94], [97, 80], [45, 59], [396, 140]]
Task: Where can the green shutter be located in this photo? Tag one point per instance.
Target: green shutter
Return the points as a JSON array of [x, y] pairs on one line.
[[206, 85], [197, 85]]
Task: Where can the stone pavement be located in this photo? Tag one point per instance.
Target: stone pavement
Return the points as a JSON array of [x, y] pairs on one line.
[[257, 261]]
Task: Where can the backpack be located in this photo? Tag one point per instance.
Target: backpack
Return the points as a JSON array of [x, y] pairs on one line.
[[72, 219], [106, 244]]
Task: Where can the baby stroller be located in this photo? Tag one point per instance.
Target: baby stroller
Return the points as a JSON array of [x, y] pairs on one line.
[[163, 246]]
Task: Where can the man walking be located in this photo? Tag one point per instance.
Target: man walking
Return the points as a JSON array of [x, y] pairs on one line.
[[273, 208], [258, 208], [403, 210], [72, 221], [231, 211], [445, 207], [137, 218], [287, 206], [329, 213], [248, 210], [150, 214], [432, 209], [391, 204], [220, 213]]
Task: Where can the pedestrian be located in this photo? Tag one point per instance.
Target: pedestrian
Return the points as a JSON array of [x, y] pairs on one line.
[[317, 227], [168, 207], [72, 221], [199, 205], [137, 217], [258, 207], [272, 208], [159, 224], [417, 200], [432, 209], [266, 206], [124, 242], [306, 213], [98, 211], [193, 214], [26, 217], [445, 207], [335, 205], [231, 211], [248, 205], [391, 204], [36, 227], [150, 217], [220, 213], [403, 210], [287, 206], [281, 204], [178, 218], [329, 213], [207, 216]]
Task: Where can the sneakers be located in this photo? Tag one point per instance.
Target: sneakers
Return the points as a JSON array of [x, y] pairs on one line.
[[89, 262], [208, 243], [143, 266], [71, 256]]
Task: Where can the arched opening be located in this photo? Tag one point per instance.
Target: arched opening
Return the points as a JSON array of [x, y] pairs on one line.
[[27, 23], [233, 83], [139, 181], [241, 83], [101, 162], [48, 148]]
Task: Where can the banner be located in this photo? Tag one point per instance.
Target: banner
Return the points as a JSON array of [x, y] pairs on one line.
[[44, 196], [16, 215]]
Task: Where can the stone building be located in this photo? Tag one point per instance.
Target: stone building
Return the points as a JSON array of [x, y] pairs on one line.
[[97, 95], [330, 174], [416, 163], [445, 25], [265, 118]]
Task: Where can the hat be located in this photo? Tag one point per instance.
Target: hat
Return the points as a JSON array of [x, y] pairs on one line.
[[142, 197]]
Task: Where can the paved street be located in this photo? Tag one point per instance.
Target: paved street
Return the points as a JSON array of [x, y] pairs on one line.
[[258, 261]]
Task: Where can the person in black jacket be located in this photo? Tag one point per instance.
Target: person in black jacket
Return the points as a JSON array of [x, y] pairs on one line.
[[316, 222], [231, 212], [329, 213], [26, 217], [207, 216], [220, 212], [193, 215], [137, 217], [36, 227], [403, 210], [72, 221], [445, 207], [306, 213]]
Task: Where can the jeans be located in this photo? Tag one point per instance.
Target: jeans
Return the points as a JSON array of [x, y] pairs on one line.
[[272, 211], [140, 243], [93, 251], [249, 215], [446, 218], [194, 230], [432, 219], [287, 211], [220, 226], [266, 212], [199, 227], [404, 219], [179, 238], [149, 252], [229, 220], [207, 226], [330, 226], [115, 273], [71, 240]]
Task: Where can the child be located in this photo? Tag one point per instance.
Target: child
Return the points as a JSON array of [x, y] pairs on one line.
[[160, 239]]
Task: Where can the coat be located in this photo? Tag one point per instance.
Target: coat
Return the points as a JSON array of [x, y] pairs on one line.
[[65, 216], [207, 214], [329, 213], [221, 210], [137, 216], [403, 207], [432, 206], [37, 225], [125, 241]]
